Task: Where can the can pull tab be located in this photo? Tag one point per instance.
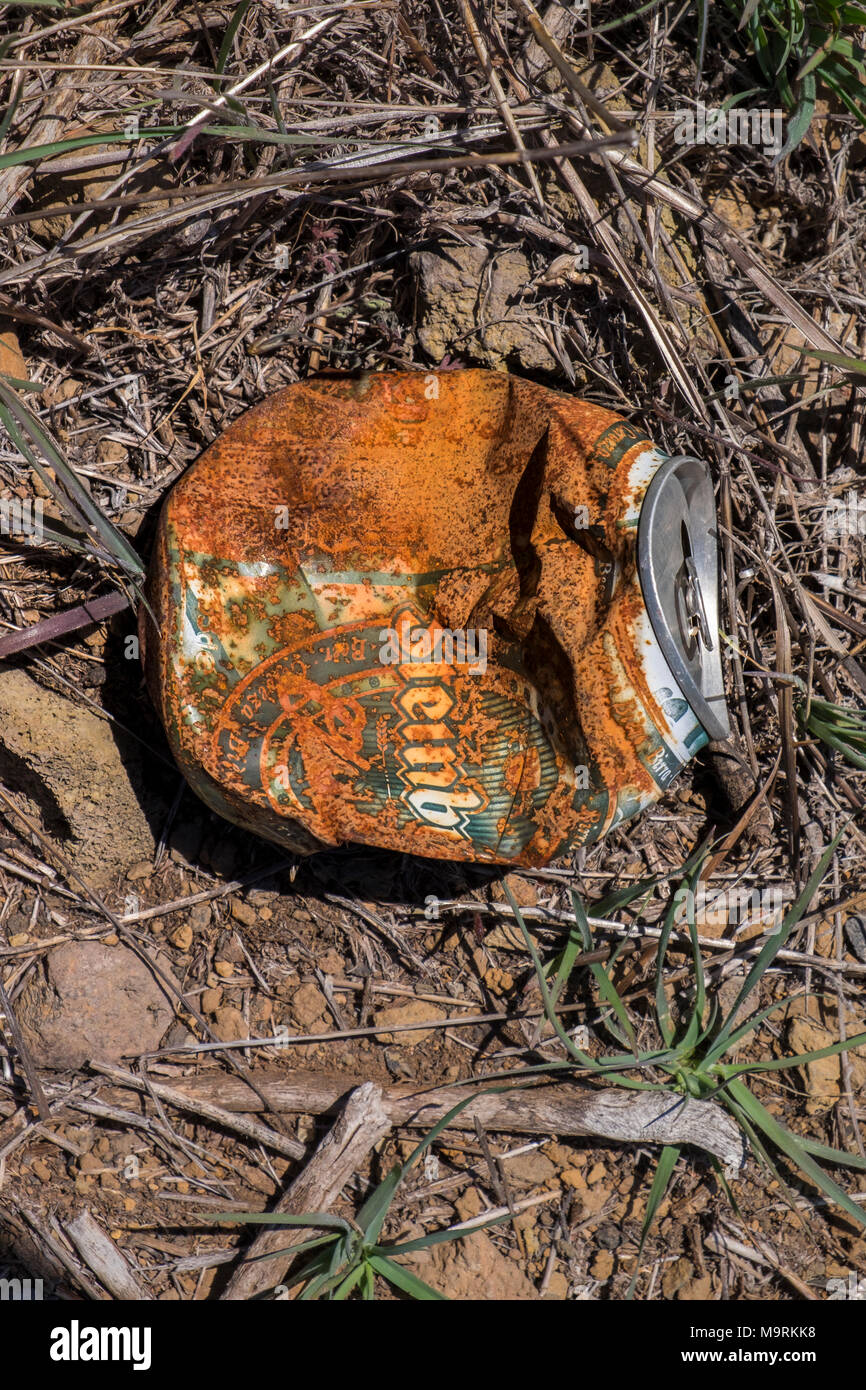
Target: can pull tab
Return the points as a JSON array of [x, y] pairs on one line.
[[693, 604]]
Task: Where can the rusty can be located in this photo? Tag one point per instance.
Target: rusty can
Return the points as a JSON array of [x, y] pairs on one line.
[[455, 613]]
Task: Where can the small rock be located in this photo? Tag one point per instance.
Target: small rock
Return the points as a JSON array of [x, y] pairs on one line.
[[414, 1012], [111, 451], [11, 360], [210, 1000], [823, 1078], [90, 1001], [181, 937], [573, 1178], [557, 1286], [19, 939], [609, 1237], [41, 1169], [505, 936], [697, 1290], [331, 963], [224, 969], [453, 283], [680, 1273], [592, 1202], [398, 1064], [602, 1265], [522, 890], [469, 1204], [243, 913], [526, 1225], [199, 916], [229, 948], [260, 897], [596, 1173], [309, 1006], [228, 1024], [179, 1035], [63, 390], [79, 785], [143, 869], [529, 1170], [562, 1155], [470, 1270], [855, 935]]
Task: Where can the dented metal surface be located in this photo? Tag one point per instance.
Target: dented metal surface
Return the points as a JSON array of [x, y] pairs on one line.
[[405, 611]]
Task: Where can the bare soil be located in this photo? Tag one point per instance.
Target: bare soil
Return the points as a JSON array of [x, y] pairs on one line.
[[149, 323]]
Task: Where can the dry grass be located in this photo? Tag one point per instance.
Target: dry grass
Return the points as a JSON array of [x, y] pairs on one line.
[[261, 229]]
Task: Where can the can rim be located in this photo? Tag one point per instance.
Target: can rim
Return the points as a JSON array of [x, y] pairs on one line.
[[678, 557]]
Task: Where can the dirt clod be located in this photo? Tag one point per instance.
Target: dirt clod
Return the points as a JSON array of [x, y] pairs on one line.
[[92, 1002], [76, 785], [470, 304]]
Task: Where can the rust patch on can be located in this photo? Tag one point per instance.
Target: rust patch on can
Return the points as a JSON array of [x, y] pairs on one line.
[[404, 611]]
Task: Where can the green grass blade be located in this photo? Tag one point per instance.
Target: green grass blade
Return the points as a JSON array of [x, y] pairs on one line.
[[663, 1013], [661, 1181], [622, 897], [351, 1281], [771, 949], [747, 1026], [70, 494], [229, 36], [802, 1058], [801, 119], [836, 359], [549, 1008], [790, 1146], [324, 1219], [405, 1280], [371, 1217], [439, 1237], [565, 965], [831, 1155], [606, 988]]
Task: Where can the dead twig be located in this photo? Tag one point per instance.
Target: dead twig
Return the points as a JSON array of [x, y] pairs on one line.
[[340, 1155]]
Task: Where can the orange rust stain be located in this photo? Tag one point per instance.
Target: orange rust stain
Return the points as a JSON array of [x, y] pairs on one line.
[[466, 483]]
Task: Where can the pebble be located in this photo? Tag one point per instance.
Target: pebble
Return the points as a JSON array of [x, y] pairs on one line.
[[143, 869], [199, 916], [181, 937], [415, 1012], [573, 1178], [92, 1001], [557, 1286], [602, 1265], [228, 1024], [309, 1005], [529, 1170], [243, 913]]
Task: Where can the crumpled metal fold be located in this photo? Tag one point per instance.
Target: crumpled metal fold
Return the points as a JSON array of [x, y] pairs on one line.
[[404, 610]]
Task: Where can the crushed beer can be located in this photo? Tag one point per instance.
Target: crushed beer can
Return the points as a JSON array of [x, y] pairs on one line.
[[456, 614]]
